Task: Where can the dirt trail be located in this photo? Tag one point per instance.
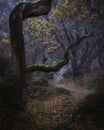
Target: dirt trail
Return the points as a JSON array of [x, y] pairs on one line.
[[78, 90], [54, 108]]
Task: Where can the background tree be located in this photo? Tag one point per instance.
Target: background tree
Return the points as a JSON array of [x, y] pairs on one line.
[[98, 5]]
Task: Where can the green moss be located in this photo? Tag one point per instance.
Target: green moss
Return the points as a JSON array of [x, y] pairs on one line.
[[62, 91], [49, 68]]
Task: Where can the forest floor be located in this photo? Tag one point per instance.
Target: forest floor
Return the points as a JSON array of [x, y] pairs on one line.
[[57, 106], [73, 103]]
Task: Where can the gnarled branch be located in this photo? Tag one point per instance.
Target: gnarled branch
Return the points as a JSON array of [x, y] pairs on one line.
[[50, 69], [20, 12]]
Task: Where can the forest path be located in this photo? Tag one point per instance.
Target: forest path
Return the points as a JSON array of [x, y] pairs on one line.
[[54, 103], [79, 87]]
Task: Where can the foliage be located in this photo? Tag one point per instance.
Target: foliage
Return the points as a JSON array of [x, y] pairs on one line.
[[49, 31]]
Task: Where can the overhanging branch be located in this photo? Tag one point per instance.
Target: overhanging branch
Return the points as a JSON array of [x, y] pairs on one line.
[[19, 13], [58, 66], [55, 68], [45, 68]]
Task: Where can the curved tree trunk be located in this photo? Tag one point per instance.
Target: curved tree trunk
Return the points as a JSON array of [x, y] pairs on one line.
[[22, 11], [19, 13]]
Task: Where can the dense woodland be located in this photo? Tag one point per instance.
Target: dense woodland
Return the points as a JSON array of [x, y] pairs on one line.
[[52, 65]]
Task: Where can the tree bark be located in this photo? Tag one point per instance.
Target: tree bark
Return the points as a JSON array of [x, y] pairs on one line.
[[98, 5], [19, 13], [95, 4]]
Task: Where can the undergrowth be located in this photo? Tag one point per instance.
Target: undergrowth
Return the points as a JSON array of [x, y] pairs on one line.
[[90, 110], [48, 107]]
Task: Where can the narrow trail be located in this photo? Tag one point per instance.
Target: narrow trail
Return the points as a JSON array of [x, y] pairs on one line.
[[78, 91], [54, 105]]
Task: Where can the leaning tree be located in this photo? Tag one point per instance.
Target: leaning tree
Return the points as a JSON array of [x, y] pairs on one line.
[[18, 15]]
